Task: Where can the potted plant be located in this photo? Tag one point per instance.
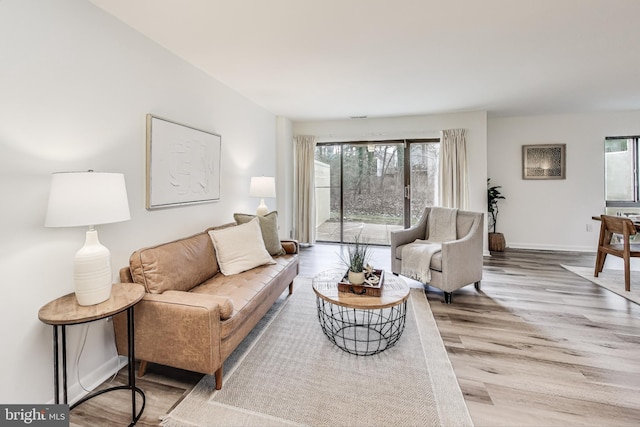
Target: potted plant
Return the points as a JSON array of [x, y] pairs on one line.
[[496, 240], [357, 260]]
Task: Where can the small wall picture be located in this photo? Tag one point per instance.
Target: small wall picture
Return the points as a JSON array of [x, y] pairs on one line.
[[543, 161]]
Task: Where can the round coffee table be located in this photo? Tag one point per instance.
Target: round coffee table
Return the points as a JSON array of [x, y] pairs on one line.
[[359, 324]]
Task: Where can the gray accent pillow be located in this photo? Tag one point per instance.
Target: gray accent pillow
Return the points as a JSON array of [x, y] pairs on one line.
[[269, 228]]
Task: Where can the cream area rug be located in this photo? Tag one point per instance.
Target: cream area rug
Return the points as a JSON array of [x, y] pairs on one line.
[[612, 280], [289, 373]]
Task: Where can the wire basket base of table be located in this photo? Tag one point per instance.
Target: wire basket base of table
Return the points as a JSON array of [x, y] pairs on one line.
[[362, 332]]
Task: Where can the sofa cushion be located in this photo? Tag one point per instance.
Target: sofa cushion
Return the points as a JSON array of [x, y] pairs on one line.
[[240, 248], [225, 303], [179, 265], [269, 228]]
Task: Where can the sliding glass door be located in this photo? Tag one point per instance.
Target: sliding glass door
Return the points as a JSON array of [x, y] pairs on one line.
[[366, 189]]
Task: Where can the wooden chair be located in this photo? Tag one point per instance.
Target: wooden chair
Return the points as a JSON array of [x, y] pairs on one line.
[[609, 226]]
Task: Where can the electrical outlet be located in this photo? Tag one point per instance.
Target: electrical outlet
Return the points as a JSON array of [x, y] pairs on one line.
[[589, 227]]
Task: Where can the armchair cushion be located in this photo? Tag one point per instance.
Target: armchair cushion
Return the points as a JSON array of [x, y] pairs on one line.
[[441, 225]]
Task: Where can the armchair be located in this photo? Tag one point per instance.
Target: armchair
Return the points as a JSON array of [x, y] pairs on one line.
[[458, 263]]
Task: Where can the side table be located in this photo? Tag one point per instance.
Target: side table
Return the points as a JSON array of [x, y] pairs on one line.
[[66, 311], [361, 324]]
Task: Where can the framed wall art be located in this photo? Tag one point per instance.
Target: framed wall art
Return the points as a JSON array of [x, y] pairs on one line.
[[183, 164], [544, 161]]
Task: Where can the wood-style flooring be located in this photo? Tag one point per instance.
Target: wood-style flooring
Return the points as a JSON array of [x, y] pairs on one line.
[[537, 346]]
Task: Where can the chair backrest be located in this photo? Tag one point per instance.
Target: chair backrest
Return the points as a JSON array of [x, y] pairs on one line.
[[615, 225], [618, 225]]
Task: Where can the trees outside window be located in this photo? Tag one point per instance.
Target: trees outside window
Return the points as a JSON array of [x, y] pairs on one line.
[[365, 187]]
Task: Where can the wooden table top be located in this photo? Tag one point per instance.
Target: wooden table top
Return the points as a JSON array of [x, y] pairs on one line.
[[394, 291], [66, 310]]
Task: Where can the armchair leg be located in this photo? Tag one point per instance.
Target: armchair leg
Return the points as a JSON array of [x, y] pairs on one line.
[[477, 285], [447, 297]]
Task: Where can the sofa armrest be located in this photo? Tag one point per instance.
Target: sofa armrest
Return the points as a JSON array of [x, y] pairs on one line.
[[125, 275], [176, 328], [290, 246]]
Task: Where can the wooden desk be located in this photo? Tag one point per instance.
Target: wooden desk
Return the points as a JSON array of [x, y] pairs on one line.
[[66, 311]]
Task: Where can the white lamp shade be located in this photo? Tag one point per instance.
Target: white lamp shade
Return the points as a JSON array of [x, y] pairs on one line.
[[262, 186], [86, 198]]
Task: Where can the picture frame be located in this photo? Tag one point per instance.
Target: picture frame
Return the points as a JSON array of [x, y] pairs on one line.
[[182, 164], [544, 161]]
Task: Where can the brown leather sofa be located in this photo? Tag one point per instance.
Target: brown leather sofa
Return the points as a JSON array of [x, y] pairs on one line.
[[192, 316]]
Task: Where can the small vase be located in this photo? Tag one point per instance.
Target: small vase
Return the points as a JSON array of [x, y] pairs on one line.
[[356, 278]]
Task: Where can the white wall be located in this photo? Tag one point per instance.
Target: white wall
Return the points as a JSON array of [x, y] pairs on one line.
[[75, 85], [553, 214], [416, 127]]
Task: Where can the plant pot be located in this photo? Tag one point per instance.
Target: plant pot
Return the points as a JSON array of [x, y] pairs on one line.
[[356, 278], [496, 242]]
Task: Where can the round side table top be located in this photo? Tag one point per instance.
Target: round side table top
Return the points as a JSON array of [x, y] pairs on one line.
[[394, 291], [66, 310]]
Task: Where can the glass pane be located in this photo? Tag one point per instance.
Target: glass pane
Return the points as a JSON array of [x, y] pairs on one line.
[[424, 159], [327, 183], [619, 183], [372, 191]]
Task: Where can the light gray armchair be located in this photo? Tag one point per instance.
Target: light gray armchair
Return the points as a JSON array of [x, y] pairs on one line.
[[458, 264]]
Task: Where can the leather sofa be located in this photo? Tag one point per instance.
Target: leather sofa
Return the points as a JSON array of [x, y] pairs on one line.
[[192, 316], [458, 263]]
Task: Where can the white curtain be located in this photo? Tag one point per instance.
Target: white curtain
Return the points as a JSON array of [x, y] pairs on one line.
[[305, 215], [454, 181]]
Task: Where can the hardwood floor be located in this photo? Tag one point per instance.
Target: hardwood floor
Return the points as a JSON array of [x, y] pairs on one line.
[[538, 346]]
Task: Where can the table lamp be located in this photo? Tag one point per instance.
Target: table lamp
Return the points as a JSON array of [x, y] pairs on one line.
[[88, 199], [262, 186]]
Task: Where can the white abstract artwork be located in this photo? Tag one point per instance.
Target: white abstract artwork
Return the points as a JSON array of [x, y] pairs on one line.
[[183, 164]]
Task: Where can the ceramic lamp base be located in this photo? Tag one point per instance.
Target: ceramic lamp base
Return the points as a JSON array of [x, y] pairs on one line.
[[92, 271], [262, 208]]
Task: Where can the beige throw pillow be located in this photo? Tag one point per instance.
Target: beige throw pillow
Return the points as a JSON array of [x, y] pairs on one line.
[[240, 248], [269, 228]]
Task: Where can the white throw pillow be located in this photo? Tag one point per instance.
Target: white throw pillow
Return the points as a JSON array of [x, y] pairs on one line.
[[240, 248]]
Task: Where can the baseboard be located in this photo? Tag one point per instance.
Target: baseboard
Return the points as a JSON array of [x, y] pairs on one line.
[[547, 247]]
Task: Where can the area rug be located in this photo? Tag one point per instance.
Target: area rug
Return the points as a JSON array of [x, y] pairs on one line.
[[291, 374], [612, 280]]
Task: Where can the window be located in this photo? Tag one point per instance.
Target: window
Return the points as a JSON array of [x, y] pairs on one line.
[[621, 173], [372, 188]]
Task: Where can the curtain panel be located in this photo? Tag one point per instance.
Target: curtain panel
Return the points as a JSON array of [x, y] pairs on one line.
[[305, 218], [454, 180]]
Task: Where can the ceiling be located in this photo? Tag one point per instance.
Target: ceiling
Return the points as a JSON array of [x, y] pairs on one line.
[[334, 59]]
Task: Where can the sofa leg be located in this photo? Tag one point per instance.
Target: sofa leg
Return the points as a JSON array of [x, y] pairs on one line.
[[291, 288], [218, 375], [447, 297], [477, 285], [142, 369]]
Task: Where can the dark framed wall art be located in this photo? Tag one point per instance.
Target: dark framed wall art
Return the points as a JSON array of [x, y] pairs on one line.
[[544, 161], [183, 164]]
